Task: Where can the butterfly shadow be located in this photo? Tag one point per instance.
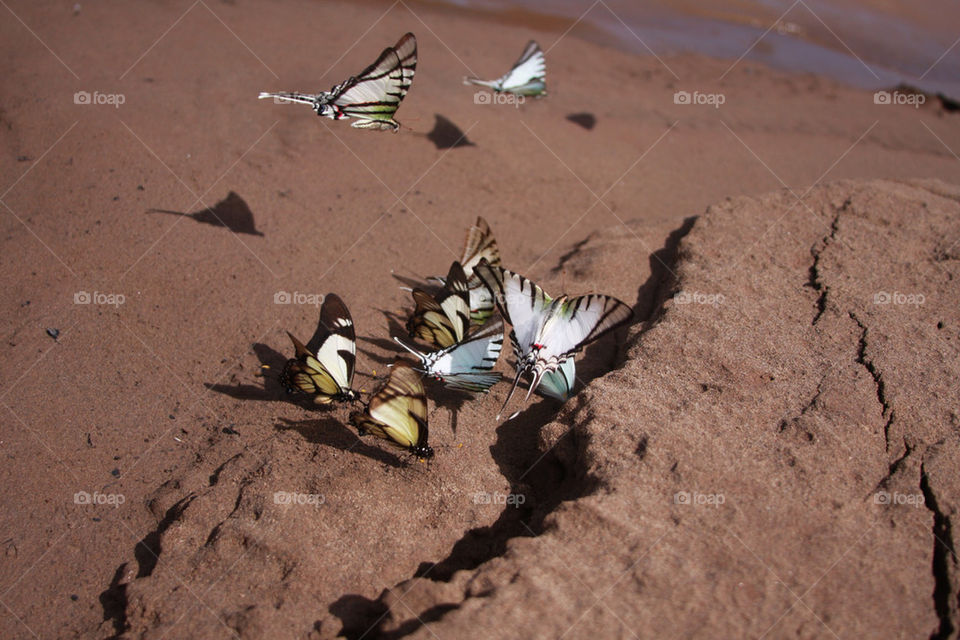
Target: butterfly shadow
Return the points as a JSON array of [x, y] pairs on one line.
[[232, 213], [446, 135], [586, 120], [272, 390], [394, 328], [330, 432]]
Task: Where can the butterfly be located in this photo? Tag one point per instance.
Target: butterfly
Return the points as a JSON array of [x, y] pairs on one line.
[[526, 78], [480, 244], [546, 331], [559, 384], [398, 412], [373, 96], [442, 320], [324, 367], [465, 365]]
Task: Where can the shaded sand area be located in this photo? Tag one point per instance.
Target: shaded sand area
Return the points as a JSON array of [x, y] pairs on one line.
[[771, 453]]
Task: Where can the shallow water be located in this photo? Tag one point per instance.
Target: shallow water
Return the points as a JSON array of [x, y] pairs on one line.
[[870, 45]]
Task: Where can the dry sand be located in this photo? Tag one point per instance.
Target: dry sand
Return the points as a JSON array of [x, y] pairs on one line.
[[773, 455]]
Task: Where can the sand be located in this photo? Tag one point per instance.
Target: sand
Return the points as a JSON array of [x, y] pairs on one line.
[[824, 416]]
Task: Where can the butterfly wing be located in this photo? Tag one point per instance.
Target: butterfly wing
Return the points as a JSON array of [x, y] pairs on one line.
[[521, 302], [480, 245], [374, 95], [526, 77], [558, 384], [307, 374], [398, 412], [337, 350], [528, 72], [574, 322], [467, 365], [571, 324], [444, 320]]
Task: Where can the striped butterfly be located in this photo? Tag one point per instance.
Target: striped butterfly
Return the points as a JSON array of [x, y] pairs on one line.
[[442, 320], [324, 367], [373, 96], [526, 78], [479, 245], [465, 365], [548, 331], [398, 412]]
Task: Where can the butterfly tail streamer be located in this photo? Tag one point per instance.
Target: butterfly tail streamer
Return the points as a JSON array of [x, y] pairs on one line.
[[513, 388], [482, 83], [289, 96]]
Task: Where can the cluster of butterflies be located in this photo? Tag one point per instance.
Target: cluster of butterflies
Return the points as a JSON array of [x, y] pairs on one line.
[[465, 340], [373, 95]]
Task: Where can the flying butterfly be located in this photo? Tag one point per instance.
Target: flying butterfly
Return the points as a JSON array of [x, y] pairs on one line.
[[398, 412], [526, 78], [546, 331], [442, 320], [465, 365], [373, 96], [324, 366]]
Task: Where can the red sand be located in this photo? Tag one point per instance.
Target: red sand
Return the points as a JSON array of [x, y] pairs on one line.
[[159, 399]]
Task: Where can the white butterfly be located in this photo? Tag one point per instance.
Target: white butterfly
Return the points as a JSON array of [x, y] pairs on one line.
[[526, 78], [465, 365], [373, 96], [547, 332]]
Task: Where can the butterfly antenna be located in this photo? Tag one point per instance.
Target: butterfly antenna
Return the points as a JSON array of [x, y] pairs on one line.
[[410, 349]]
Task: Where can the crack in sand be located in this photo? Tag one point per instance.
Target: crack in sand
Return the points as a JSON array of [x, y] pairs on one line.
[[878, 382], [814, 280], [943, 549], [895, 466]]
